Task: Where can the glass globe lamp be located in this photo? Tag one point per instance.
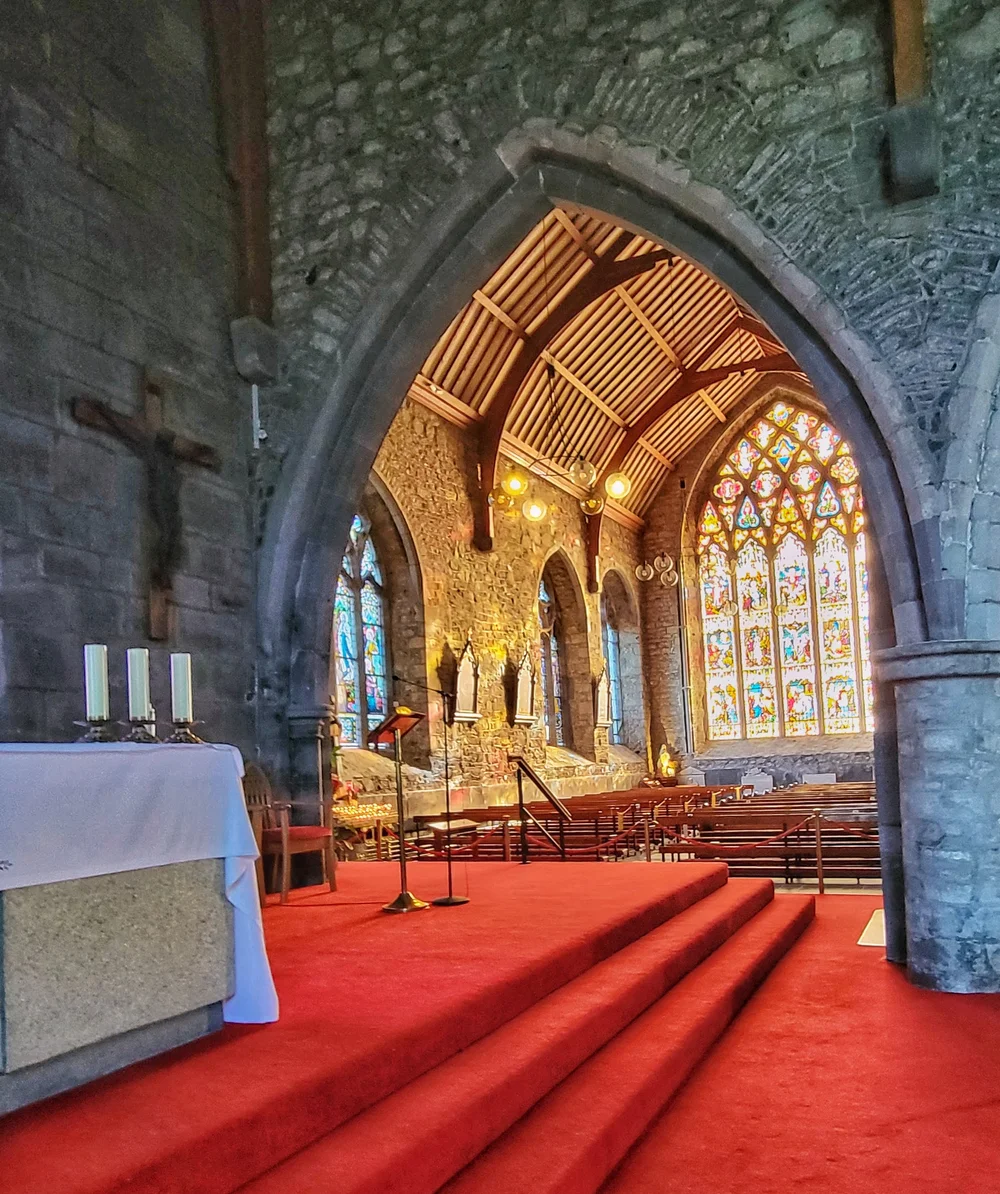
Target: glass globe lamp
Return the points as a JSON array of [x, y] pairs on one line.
[[618, 486], [515, 482]]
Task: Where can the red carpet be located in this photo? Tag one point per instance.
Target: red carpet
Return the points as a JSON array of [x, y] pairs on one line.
[[369, 1002], [838, 1076]]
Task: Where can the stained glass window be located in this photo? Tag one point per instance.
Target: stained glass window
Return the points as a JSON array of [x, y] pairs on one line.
[[611, 642], [548, 617], [784, 584], [359, 639]]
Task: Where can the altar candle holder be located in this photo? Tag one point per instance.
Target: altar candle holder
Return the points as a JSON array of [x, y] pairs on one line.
[[140, 708], [184, 734], [95, 669], [181, 701]]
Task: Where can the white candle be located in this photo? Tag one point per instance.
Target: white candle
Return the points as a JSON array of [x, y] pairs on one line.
[[95, 671], [181, 707], [137, 662]]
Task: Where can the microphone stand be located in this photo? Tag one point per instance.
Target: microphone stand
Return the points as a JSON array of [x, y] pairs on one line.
[[450, 900]]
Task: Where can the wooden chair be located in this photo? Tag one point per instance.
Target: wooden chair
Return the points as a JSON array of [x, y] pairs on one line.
[[277, 838]]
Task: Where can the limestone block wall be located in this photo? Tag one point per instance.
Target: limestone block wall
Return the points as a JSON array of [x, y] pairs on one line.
[[116, 255], [427, 465], [380, 111]]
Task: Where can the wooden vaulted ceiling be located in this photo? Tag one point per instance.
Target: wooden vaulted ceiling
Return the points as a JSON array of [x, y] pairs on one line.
[[591, 339]]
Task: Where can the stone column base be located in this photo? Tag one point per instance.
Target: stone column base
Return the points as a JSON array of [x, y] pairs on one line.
[[948, 719]]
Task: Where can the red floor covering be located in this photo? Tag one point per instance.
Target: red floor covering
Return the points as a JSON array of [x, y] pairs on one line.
[[368, 1002], [838, 1076]]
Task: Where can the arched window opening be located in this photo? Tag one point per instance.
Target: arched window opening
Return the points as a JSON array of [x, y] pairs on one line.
[[359, 610], [784, 584], [553, 705], [611, 645]]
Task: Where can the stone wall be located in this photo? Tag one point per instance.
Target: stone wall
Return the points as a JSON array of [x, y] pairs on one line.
[[377, 109], [115, 225], [427, 466]]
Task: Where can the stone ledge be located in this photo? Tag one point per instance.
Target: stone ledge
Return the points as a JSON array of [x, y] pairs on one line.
[[941, 659]]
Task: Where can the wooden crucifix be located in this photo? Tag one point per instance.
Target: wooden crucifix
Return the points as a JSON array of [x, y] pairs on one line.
[[161, 452]]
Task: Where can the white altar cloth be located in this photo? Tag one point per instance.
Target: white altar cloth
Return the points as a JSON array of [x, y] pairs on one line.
[[74, 810]]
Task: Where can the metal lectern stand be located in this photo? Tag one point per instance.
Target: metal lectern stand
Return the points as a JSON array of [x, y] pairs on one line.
[[398, 723]]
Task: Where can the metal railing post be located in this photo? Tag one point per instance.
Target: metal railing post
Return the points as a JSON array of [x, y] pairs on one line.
[[646, 842], [562, 839], [506, 840], [520, 813], [819, 852]]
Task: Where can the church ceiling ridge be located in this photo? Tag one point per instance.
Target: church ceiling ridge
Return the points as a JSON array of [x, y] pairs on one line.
[[616, 379]]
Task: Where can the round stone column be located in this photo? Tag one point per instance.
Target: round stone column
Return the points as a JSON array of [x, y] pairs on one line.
[[948, 724]]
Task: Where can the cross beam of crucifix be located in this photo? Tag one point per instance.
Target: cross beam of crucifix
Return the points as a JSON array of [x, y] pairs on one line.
[[161, 451]]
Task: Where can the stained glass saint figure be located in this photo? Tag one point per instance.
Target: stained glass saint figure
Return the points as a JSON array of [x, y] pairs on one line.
[[359, 639]]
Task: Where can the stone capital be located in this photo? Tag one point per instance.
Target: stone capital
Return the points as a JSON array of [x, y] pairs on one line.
[[940, 660]]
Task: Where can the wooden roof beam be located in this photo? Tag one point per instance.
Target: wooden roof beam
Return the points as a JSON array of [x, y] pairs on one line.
[[604, 277], [684, 387]]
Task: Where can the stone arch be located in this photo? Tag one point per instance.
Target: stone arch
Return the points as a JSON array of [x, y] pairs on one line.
[[969, 525], [576, 669], [620, 606], [468, 238]]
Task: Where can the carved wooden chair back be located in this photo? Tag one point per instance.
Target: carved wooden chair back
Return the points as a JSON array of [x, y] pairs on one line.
[[259, 797]]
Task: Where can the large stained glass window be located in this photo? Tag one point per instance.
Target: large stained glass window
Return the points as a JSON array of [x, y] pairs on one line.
[[359, 633], [784, 584], [548, 617]]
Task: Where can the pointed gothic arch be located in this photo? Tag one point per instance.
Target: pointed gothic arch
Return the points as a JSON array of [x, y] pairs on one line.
[[465, 241]]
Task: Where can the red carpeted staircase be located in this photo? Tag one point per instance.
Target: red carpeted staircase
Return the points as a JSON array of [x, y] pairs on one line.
[[521, 1042], [552, 1100]]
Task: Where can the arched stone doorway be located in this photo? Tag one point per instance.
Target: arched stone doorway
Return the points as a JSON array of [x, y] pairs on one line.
[[310, 518]]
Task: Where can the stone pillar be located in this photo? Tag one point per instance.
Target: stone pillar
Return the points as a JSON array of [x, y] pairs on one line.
[[309, 752], [886, 762], [948, 726]]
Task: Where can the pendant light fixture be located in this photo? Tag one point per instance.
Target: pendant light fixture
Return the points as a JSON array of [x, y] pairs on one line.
[[618, 486]]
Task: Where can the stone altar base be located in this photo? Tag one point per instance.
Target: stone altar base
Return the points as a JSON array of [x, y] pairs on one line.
[[98, 973]]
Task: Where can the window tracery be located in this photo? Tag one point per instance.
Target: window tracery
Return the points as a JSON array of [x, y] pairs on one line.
[[784, 584]]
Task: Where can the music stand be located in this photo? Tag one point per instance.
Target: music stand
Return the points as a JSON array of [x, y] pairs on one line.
[[398, 723]]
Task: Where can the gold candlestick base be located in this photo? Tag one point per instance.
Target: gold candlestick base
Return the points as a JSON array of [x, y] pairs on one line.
[[98, 730], [140, 732], [184, 734]]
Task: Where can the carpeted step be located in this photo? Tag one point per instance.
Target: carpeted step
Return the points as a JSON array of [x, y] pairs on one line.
[[572, 1140], [368, 1004], [419, 1137]]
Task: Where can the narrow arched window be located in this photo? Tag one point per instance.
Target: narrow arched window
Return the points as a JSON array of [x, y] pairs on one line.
[[784, 584], [552, 693], [611, 644], [360, 648]]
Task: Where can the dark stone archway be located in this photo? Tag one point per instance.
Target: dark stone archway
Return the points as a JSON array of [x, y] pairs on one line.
[[470, 237]]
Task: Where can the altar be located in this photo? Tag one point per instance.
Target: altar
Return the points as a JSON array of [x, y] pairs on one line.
[[129, 913]]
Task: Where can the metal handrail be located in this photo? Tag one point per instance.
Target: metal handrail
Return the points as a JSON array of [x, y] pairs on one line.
[[522, 764], [523, 767]]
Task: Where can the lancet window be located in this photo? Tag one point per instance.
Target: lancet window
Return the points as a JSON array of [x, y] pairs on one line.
[[784, 584], [360, 639], [552, 682], [611, 644]]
